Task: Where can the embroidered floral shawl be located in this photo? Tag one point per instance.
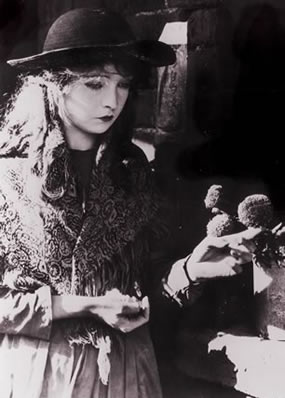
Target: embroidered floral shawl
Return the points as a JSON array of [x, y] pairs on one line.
[[76, 252]]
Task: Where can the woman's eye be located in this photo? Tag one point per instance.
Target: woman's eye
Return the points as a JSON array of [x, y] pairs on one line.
[[94, 85], [126, 85]]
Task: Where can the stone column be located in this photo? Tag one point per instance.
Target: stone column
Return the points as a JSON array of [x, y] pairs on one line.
[[171, 89]]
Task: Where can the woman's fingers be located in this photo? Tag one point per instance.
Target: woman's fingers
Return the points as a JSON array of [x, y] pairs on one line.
[[120, 303], [244, 240], [123, 312], [136, 306], [131, 307], [127, 324]]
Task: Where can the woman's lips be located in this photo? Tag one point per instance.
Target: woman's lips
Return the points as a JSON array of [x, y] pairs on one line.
[[106, 118]]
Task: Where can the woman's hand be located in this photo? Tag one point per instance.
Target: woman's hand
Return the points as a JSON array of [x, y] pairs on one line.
[[122, 312], [214, 258], [119, 311]]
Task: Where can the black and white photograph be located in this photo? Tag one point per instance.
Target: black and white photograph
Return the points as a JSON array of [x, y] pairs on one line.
[[142, 199]]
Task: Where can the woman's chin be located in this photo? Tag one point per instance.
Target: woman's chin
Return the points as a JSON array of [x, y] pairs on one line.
[[99, 129]]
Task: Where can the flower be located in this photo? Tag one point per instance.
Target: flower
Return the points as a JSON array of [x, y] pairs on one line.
[[256, 211], [213, 197], [220, 225]]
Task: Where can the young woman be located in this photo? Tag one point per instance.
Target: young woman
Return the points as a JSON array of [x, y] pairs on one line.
[[77, 214]]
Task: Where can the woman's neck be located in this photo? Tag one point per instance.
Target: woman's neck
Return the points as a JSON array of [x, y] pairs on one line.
[[77, 139]]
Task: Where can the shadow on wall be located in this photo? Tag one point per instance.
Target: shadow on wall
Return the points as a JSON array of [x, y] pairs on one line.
[[259, 97], [250, 143], [18, 28]]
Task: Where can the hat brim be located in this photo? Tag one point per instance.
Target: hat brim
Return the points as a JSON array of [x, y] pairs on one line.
[[152, 52]]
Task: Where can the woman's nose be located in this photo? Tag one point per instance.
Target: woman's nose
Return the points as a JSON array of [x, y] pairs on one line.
[[110, 99]]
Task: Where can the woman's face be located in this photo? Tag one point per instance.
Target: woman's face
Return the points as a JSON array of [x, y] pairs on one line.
[[94, 101]]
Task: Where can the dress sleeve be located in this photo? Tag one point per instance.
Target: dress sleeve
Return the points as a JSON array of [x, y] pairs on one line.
[[178, 287], [28, 314], [21, 312]]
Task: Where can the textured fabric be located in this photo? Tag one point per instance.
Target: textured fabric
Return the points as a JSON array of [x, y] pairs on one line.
[[58, 244], [76, 251], [79, 247]]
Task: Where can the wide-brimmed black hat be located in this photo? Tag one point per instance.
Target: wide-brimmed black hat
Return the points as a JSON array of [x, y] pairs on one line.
[[80, 33]]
